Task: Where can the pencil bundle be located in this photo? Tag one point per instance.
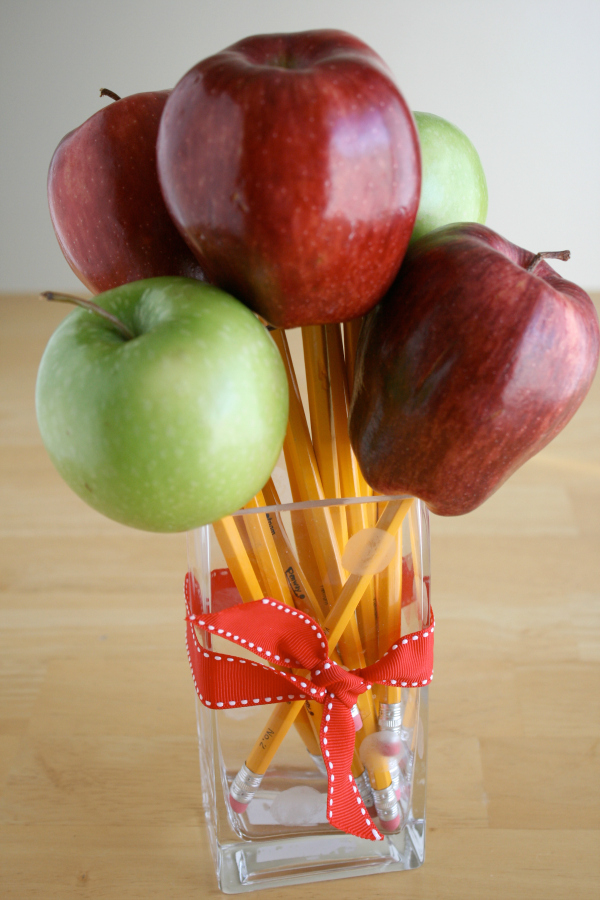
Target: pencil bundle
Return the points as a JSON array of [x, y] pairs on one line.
[[342, 564]]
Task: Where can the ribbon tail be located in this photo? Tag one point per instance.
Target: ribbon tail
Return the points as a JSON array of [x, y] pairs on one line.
[[345, 808]]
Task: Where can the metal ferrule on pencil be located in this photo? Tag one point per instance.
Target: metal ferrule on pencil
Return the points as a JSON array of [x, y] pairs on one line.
[[245, 785], [386, 803], [365, 790], [399, 783], [390, 716]]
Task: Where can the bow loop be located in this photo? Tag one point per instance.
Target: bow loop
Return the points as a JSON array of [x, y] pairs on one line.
[[280, 634]]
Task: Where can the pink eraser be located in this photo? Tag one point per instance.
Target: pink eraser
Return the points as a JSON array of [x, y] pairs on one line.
[[358, 723], [237, 806], [403, 791], [372, 811], [390, 825], [389, 743]]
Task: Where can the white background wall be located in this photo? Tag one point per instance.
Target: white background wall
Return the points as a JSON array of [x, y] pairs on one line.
[[520, 77]]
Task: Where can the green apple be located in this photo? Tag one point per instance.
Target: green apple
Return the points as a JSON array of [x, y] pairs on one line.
[[453, 187], [171, 427]]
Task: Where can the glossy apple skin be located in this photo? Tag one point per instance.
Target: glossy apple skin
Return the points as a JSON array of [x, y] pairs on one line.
[[106, 204], [467, 368], [453, 185], [175, 428], [291, 164]]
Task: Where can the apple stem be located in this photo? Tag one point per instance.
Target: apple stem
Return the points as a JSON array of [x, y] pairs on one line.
[[92, 307], [105, 92], [548, 254]]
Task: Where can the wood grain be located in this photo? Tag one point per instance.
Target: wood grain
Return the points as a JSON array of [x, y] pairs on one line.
[[99, 781]]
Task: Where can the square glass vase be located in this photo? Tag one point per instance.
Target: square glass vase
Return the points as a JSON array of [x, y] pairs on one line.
[[301, 554]]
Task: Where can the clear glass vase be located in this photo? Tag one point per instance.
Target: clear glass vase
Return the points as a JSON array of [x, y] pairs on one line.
[[274, 830]]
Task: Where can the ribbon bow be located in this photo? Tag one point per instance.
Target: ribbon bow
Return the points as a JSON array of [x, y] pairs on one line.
[[285, 637]]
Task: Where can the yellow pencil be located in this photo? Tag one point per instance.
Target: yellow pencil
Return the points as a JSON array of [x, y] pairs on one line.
[[389, 599], [237, 559], [304, 596], [350, 481], [414, 615], [273, 579], [320, 405], [385, 797], [301, 526], [351, 331]]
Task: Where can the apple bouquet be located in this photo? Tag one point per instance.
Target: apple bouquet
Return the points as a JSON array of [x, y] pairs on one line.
[[289, 178], [288, 171]]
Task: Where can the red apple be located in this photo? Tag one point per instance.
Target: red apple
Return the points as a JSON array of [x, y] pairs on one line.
[[477, 357], [291, 164], [105, 201]]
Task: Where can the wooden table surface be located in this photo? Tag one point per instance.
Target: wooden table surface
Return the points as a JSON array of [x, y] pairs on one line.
[[99, 779]]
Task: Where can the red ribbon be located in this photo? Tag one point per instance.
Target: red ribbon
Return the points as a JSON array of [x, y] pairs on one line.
[[286, 637]]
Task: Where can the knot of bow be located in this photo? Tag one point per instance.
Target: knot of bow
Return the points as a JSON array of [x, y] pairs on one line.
[[299, 668]]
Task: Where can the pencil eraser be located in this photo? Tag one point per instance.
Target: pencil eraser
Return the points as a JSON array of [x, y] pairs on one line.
[[236, 806], [389, 743], [372, 811], [358, 722], [390, 825], [402, 791]]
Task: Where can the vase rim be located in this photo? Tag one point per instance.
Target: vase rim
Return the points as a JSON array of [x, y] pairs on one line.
[[319, 504]]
